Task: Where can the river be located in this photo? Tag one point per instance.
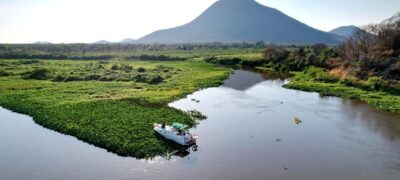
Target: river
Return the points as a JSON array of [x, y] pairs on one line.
[[249, 134]]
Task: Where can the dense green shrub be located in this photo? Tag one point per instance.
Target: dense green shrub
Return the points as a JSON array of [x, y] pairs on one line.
[[297, 58], [156, 79], [103, 62], [319, 74], [38, 74], [156, 57], [251, 63], [33, 61], [124, 67], [230, 61], [393, 89], [376, 83], [275, 55], [196, 115], [223, 60], [210, 59], [59, 78], [350, 81], [93, 77], [139, 78], [141, 69], [4, 73], [72, 78], [115, 67], [107, 78]]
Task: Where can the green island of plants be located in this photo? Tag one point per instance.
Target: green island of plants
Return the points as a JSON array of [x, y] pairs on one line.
[[111, 104]]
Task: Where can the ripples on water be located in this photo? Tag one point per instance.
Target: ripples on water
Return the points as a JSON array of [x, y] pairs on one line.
[[249, 134]]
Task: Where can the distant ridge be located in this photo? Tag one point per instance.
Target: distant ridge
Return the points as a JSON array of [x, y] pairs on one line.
[[102, 42], [238, 21], [345, 31], [124, 41], [127, 41], [42, 42]]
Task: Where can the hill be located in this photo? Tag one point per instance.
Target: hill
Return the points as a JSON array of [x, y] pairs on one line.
[[238, 21], [102, 42], [344, 31], [127, 41]]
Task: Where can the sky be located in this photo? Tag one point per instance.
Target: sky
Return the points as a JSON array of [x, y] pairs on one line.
[[70, 21]]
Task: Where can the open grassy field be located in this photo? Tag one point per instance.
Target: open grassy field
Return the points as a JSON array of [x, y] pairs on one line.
[[123, 51], [111, 104]]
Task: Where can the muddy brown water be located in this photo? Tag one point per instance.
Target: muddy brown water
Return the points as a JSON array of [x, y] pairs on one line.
[[249, 134]]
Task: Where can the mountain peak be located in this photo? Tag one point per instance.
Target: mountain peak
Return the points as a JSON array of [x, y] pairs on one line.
[[241, 21]]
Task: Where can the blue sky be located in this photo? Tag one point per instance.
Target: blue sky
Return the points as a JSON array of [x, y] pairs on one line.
[[27, 21]]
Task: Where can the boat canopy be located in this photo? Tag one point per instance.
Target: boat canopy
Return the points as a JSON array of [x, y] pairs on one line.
[[179, 126]]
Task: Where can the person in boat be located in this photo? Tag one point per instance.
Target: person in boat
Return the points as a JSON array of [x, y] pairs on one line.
[[187, 136], [163, 125]]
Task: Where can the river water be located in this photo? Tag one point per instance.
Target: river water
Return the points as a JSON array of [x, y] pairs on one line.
[[249, 134]]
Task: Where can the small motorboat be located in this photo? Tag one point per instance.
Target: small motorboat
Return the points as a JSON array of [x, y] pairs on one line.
[[176, 132]]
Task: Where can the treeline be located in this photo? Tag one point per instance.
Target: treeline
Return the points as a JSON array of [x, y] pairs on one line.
[[62, 49], [284, 58], [53, 56], [144, 57], [111, 51], [374, 50], [371, 51]]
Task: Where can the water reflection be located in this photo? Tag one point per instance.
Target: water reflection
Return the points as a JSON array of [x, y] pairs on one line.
[[182, 154], [243, 78], [385, 124]]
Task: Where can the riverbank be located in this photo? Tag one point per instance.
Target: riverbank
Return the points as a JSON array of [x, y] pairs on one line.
[[316, 80], [110, 104], [378, 93]]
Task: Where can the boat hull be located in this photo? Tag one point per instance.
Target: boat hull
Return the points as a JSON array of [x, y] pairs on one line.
[[170, 134]]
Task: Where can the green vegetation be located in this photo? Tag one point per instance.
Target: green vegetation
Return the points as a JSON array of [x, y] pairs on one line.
[[197, 115], [376, 92], [105, 71], [243, 59], [111, 104], [153, 52]]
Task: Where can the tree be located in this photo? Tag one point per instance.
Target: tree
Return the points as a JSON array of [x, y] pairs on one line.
[[375, 48]]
